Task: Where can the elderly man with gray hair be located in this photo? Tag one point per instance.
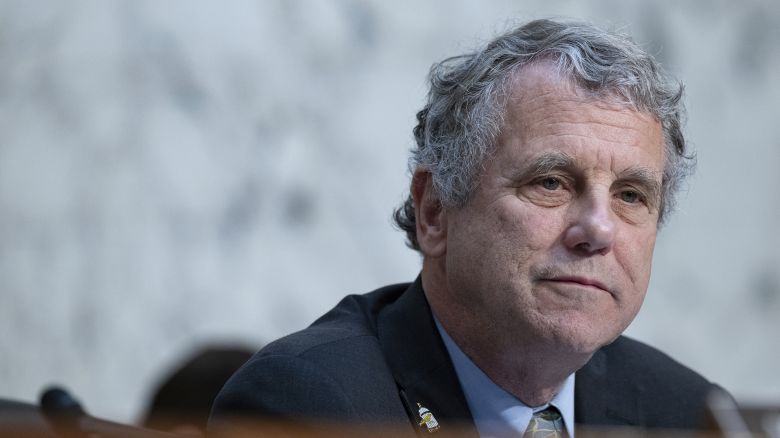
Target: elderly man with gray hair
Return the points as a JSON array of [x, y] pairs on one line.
[[545, 163]]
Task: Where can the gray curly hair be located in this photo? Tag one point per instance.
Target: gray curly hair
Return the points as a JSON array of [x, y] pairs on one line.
[[458, 127]]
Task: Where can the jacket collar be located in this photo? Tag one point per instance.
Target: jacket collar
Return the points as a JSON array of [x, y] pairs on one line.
[[421, 365]]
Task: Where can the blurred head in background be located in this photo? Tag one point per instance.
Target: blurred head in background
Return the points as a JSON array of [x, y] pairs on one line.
[[183, 399]]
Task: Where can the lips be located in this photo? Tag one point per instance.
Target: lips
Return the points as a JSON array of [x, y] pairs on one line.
[[583, 281]]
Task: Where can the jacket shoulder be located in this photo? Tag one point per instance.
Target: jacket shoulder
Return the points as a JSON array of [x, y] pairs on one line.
[[353, 317], [333, 369], [652, 369], [670, 395]]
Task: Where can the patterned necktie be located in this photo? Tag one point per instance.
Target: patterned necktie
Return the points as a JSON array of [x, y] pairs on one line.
[[546, 424]]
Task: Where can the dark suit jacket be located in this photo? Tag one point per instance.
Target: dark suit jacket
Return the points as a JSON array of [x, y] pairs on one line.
[[374, 357]]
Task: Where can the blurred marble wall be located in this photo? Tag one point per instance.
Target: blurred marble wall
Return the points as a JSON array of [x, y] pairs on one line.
[[179, 173]]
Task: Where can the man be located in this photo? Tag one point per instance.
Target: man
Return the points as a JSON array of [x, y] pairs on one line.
[[545, 163]]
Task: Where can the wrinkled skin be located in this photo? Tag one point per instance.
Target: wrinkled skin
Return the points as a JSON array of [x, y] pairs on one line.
[[550, 258]]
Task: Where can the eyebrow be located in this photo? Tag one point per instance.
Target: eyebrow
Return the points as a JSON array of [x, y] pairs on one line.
[[551, 161], [542, 165]]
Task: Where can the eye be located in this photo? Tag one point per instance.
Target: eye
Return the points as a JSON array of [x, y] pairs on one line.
[[550, 190], [630, 196], [550, 183]]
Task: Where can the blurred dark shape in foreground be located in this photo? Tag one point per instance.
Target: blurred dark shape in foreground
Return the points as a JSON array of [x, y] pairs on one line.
[[183, 399], [23, 420], [61, 416]]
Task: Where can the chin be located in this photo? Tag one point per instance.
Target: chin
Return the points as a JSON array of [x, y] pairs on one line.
[[586, 346], [581, 338]]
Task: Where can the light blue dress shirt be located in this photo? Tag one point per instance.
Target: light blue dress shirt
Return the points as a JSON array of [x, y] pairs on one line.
[[497, 413]]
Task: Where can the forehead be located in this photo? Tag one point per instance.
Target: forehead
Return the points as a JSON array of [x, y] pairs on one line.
[[545, 111]]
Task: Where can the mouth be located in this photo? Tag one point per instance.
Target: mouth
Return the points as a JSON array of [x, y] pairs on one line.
[[578, 281]]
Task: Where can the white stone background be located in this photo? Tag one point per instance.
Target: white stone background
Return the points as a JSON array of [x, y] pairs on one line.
[[179, 173]]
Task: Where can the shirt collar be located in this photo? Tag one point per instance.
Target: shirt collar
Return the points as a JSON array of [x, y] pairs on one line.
[[496, 412]]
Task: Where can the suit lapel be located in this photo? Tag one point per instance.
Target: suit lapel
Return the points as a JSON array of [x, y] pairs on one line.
[[421, 365], [603, 396]]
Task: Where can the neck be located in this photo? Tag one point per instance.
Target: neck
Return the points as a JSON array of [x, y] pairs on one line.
[[532, 377], [528, 367]]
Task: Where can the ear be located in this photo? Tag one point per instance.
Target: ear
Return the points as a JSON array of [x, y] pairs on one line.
[[430, 216]]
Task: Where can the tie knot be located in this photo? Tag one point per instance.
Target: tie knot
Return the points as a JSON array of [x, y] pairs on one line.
[[549, 414], [546, 423]]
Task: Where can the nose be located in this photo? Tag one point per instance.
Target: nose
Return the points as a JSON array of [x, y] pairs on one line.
[[592, 228]]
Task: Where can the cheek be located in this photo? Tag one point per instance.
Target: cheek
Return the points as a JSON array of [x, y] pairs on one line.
[[530, 226], [637, 257], [500, 240]]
